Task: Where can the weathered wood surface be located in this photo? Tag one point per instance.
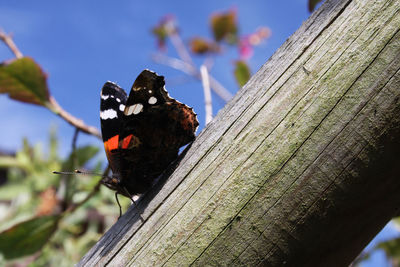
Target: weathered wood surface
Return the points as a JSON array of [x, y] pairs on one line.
[[300, 168]]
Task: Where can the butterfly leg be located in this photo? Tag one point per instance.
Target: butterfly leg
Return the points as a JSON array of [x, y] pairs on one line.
[[119, 205], [134, 203]]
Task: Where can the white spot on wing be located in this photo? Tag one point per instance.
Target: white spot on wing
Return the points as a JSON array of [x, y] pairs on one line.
[[108, 114], [150, 92], [118, 100], [134, 109], [105, 97], [152, 100], [122, 107]]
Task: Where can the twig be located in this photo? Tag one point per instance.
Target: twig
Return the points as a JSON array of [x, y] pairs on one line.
[[7, 39], [207, 93], [185, 56], [191, 70], [175, 63], [219, 89], [74, 140], [66, 179], [53, 105], [209, 63], [79, 124], [180, 47]]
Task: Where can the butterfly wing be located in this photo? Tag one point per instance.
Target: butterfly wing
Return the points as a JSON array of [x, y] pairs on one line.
[[112, 105], [154, 127]]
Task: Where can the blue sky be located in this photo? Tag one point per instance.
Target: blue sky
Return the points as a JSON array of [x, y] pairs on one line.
[[83, 44]]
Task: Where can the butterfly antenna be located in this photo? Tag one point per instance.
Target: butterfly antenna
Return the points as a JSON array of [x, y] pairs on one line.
[[66, 173], [79, 172]]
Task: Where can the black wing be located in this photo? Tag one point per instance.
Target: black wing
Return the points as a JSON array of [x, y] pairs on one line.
[[112, 105], [154, 127]]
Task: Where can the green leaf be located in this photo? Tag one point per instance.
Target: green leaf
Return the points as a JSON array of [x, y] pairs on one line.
[[27, 237], [23, 80], [312, 4], [224, 27], [242, 72]]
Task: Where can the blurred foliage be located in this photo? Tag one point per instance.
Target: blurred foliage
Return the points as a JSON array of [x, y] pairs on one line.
[[163, 29], [39, 215], [225, 31], [224, 26], [390, 247], [200, 46], [392, 250], [242, 72]]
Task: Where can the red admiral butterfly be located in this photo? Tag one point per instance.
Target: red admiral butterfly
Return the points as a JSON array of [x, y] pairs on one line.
[[142, 133]]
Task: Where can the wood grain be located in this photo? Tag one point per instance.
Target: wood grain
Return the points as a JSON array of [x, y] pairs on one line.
[[300, 168]]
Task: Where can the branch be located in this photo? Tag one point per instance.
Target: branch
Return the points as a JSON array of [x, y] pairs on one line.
[[180, 47], [7, 39], [77, 123], [207, 93], [192, 71], [53, 105]]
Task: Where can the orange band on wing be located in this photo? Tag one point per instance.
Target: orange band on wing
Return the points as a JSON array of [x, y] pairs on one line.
[[126, 141], [111, 143]]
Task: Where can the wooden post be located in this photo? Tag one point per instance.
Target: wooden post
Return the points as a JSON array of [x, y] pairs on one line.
[[301, 168]]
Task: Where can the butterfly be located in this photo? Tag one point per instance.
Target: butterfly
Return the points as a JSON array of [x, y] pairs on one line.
[[142, 132]]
